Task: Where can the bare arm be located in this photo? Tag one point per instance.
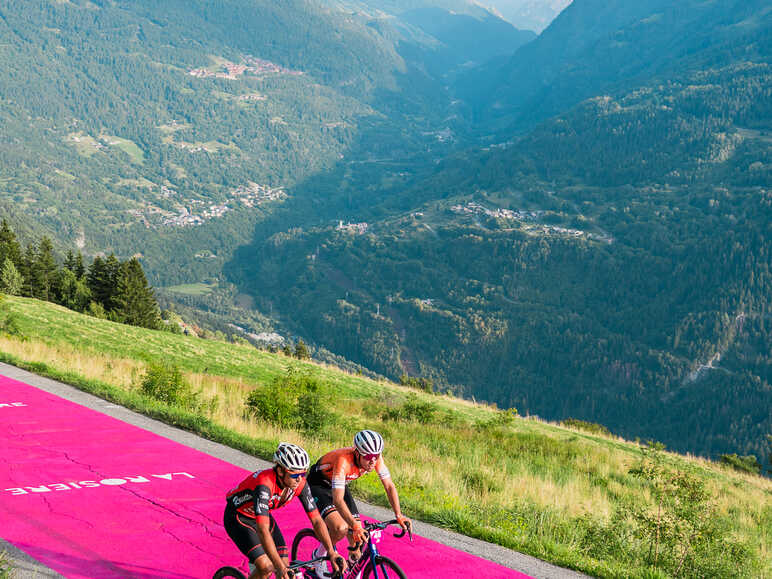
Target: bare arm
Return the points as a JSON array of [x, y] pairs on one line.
[[264, 532], [393, 496]]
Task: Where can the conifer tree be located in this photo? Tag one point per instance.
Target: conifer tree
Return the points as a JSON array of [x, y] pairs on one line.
[[74, 263], [10, 278], [29, 285], [301, 350], [135, 302], [102, 280], [9, 246], [45, 272]]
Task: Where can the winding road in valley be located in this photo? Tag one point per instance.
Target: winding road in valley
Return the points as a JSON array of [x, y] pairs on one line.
[[89, 489]]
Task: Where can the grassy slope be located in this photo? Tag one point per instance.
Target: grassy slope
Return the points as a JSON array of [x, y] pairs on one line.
[[536, 487]]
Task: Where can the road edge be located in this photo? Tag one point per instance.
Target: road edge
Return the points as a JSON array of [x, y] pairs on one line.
[[22, 562]]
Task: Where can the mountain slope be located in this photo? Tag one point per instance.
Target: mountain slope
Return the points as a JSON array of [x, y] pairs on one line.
[[588, 268], [596, 47], [177, 127], [561, 493]]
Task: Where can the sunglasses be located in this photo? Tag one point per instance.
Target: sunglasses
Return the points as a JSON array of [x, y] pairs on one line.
[[297, 475], [369, 457]]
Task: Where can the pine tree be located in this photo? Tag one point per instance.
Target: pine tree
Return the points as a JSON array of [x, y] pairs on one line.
[[135, 303], [29, 287], [45, 272], [301, 351], [69, 261], [10, 279], [102, 280], [79, 270], [9, 246]]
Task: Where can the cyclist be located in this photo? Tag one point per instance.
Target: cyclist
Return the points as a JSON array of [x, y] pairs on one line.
[[329, 479], [250, 524]]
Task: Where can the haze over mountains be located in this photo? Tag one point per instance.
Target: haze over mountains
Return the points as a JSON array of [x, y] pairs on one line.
[[576, 224]]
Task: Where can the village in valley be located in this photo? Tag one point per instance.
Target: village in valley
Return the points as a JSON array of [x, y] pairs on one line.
[[528, 220], [251, 65], [193, 212]]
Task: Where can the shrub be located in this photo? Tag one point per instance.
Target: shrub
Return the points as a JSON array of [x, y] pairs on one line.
[[5, 566], [164, 382], [412, 409], [748, 463], [424, 384], [9, 323], [590, 427], [293, 400], [499, 418], [682, 533], [96, 310]]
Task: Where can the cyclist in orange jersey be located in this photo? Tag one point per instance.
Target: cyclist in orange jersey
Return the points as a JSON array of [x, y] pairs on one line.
[[329, 478]]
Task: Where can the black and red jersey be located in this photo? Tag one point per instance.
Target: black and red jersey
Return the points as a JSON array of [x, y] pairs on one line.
[[260, 493]]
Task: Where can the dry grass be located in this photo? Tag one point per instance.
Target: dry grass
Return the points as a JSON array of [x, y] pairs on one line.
[[562, 474]]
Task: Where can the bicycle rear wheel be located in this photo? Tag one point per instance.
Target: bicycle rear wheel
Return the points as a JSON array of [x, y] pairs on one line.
[[226, 572], [385, 568]]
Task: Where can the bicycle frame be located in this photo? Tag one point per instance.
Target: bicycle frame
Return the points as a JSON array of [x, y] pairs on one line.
[[369, 554]]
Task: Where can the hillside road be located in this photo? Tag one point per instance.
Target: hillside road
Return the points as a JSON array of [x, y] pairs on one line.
[[89, 489]]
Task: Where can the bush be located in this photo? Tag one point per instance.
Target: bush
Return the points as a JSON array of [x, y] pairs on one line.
[[749, 464], [424, 384], [165, 383], [412, 409], [682, 533], [5, 566], [499, 418], [293, 400], [9, 324], [590, 427]]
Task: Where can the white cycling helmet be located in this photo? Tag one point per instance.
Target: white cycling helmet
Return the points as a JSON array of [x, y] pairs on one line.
[[368, 442], [291, 456]]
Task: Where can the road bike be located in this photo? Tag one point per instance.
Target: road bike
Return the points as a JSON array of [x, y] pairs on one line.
[[371, 564], [301, 569]]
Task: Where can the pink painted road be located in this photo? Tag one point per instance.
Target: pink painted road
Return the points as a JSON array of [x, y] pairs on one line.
[[93, 497]]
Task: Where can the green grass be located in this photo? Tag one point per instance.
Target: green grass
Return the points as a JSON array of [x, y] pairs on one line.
[[129, 147], [191, 289], [5, 566], [559, 494]]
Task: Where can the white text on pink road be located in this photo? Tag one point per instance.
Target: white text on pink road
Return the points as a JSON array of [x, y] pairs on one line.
[[11, 404], [87, 484]]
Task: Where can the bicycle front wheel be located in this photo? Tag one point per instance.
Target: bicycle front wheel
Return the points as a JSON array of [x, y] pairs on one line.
[[228, 572], [303, 545], [384, 568]]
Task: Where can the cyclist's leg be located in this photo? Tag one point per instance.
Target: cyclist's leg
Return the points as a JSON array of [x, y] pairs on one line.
[[243, 532], [336, 526], [354, 510]]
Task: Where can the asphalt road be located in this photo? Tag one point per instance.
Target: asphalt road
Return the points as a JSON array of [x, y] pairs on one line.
[[25, 566]]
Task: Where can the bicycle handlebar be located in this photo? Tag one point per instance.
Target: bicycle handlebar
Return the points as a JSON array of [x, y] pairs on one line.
[[383, 524]]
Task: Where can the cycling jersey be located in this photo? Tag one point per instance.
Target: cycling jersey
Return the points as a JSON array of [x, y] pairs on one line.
[[258, 494], [339, 467]]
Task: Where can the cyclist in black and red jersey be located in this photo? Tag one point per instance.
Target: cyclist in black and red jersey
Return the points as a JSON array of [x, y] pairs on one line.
[[248, 520], [329, 479]]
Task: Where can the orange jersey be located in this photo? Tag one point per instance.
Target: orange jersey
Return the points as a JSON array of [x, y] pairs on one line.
[[339, 467]]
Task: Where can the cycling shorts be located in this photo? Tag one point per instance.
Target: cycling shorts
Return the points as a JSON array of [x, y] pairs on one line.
[[243, 531], [323, 498]]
